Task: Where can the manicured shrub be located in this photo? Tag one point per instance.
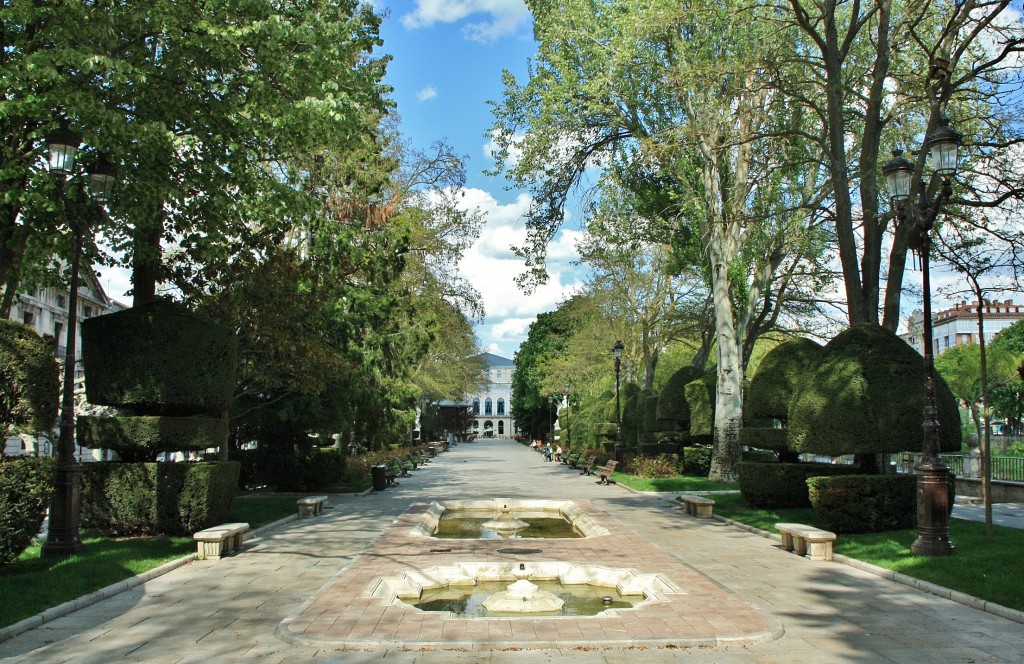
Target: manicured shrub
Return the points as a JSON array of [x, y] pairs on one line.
[[778, 374], [763, 438], [157, 498], [866, 396], [700, 395], [630, 423], [773, 485], [315, 472], [149, 435], [647, 412], [663, 465], [672, 405], [29, 380], [26, 484], [697, 461], [864, 503], [759, 456], [159, 358]]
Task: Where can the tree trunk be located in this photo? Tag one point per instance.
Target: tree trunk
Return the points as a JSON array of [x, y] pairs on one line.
[[725, 452], [146, 257]]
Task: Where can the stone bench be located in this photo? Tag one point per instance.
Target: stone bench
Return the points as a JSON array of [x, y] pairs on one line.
[[311, 506], [698, 506], [219, 540], [813, 542]]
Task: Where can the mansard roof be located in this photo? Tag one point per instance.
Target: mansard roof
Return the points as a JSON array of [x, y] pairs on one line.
[[493, 360]]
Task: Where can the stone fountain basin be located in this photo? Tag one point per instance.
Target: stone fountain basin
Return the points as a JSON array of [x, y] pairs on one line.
[[523, 509], [626, 581]]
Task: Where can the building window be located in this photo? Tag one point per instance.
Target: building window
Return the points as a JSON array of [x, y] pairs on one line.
[[476, 406], [501, 406], [88, 311], [488, 428], [62, 301], [28, 319], [487, 406], [501, 427]]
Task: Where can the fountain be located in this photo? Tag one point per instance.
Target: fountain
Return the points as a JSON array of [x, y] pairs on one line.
[[506, 525], [523, 597]]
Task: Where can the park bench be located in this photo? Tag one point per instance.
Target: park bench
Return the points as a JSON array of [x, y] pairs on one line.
[[216, 541], [587, 464], [813, 542], [400, 469], [698, 506], [571, 458], [411, 461], [311, 506], [605, 472]]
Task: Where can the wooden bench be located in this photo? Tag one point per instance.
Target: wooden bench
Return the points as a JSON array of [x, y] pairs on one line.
[[698, 506], [311, 506], [605, 472], [587, 464], [216, 541], [571, 458], [813, 542], [400, 470]]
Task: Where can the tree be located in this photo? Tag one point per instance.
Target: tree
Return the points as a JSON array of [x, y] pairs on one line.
[[676, 93]]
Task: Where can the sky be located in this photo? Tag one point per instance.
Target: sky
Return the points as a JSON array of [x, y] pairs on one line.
[[448, 58]]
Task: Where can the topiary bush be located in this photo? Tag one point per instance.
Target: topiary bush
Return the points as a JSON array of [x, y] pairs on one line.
[[29, 380], [774, 485], [147, 435], [700, 395], [26, 484], [159, 358], [696, 461], [157, 498], [672, 406], [778, 375], [314, 472], [864, 503], [866, 397]]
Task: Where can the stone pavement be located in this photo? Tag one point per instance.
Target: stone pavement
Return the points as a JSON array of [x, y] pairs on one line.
[[233, 609]]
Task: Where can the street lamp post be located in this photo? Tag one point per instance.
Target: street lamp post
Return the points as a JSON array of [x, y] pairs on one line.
[[551, 420], [932, 472], [62, 145], [617, 354], [568, 428]]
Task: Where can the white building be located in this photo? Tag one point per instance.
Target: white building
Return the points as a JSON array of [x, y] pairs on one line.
[[959, 324], [492, 414]]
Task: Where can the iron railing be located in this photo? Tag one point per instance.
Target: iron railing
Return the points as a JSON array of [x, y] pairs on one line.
[[1007, 468]]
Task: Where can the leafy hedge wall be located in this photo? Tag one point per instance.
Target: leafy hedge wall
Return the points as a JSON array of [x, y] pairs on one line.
[[696, 461], [672, 405], [159, 358], [700, 395], [29, 379], [155, 434], [26, 484], [772, 485], [864, 503], [157, 498], [782, 369]]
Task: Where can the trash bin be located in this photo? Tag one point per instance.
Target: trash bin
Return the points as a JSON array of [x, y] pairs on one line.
[[380, 478]]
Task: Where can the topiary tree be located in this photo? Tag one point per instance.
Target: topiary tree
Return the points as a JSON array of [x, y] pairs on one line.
[[700, 398], [672, 406], [29, 380], [866, 397], [770, 390], [630, 397]]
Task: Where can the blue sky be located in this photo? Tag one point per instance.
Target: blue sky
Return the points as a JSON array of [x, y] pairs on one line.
[[448, 57]]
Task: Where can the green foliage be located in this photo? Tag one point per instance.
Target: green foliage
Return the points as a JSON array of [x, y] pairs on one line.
[[672, 404], [159, 359], [152, 498], [772, 485], [866, 396], [29, 381], [631, 397], [864, 503], [700, 395], [143, 437], [696, 461], [647, 415], [764, 438], [782, 369], [314, 472], [660, 466], [26, 484]]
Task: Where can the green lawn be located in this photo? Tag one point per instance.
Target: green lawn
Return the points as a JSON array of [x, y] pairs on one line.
[[980, 566]]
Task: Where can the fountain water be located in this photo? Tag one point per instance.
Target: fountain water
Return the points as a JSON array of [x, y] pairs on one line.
[[523, 597]]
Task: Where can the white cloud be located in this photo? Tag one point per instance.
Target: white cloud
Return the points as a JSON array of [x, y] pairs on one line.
[[427, 93], [504, 17]]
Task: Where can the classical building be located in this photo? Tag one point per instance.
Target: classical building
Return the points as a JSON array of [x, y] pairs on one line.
[[492, 415], [959, 324]]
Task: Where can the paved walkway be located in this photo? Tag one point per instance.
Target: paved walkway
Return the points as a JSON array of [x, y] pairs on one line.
[[233, 610]]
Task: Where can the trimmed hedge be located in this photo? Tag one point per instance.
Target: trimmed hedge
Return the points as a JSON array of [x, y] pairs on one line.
[[864, 503], [157, 498], [696, 461], [778, 374], [26, 484], [159, 358], [866, 396], [763, 438], [29, 379], [672, 405], [773, 485], [700, 395], [155, 434]]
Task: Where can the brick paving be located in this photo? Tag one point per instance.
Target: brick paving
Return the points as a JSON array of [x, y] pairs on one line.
[[237, 609]]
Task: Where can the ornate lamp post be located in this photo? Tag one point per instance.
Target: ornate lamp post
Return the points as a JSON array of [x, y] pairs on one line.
[[568, 428], [617, 354], [62, 146], [551, 420], [902, 182]]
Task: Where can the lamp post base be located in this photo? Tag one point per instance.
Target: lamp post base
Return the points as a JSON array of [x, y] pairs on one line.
[[62, 537], [932, 509]]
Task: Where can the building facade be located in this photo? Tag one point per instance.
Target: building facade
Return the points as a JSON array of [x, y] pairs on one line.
[[959, 324], [492, 410]]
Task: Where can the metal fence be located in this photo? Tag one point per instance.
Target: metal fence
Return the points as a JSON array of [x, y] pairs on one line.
[[1010, 469]]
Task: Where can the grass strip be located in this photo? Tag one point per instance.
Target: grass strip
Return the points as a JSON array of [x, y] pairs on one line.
[[980, 566]]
